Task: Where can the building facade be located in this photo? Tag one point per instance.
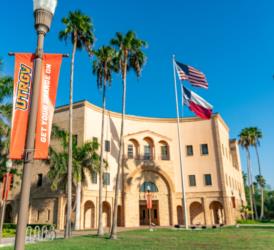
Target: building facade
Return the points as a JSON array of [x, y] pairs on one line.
[[211, 163]]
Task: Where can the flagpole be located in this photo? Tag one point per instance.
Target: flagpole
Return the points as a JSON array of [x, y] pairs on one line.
[[180, 147]]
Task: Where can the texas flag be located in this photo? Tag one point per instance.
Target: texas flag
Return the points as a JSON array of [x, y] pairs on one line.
[[197, 104]]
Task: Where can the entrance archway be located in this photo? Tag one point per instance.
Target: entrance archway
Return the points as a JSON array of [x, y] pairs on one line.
[[136, 196], [180, 215], [72, 218], [197, 216], [119, 216], [106, 214], [89, 212], [217, 214]]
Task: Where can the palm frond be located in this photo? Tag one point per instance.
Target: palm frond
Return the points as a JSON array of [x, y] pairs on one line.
[[78, 26]]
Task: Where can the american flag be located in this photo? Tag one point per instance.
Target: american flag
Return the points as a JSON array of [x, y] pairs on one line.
[[194, 76]]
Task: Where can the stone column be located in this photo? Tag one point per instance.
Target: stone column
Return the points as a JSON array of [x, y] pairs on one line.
[[96, 213], [220, 216], [227, 211], [82, 208], [206, 211], [30, 214], [60, 213]]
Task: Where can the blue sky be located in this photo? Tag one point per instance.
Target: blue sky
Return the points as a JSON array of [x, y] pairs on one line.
[[231, 41]]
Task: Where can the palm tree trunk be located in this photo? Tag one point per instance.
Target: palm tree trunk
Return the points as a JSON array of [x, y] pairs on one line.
[[253, 195], [113, 233], [78, 205], [69, 198], [100, 212], [262, 188], [249, 183]]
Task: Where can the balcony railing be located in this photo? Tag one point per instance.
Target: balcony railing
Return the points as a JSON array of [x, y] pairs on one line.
[[146, 157]]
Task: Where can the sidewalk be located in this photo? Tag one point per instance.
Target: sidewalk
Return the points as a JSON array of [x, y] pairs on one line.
[[7, 242]]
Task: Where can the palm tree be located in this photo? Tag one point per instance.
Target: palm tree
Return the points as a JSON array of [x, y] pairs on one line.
[[79, 29], [103, 66], [130, 57], [6, 88], [85, 159], [256, 135], [245, 142]]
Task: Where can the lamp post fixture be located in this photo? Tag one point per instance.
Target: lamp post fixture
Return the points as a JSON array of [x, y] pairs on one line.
[[5, 189], [43, 13]]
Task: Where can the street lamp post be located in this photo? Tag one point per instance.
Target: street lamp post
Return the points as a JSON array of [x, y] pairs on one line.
[[43, 13], [8, 165]]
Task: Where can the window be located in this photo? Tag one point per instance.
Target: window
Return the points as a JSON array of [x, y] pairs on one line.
[[106, 178], [208, 180], [147, 152], [204, 149], [48, 214], [75, 139], [38, 215], [148, 186], [39, 180], [189, 150], [11, 181], [233, 201], [192, 180], [130, 151], [164, 152], [107, 146], [93, 177]]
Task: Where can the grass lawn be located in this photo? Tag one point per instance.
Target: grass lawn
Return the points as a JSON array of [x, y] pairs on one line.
[[225, 238]]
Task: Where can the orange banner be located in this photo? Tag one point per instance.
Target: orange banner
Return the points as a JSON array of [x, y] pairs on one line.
[[149, 200], [21, 103], [48, 89], [8, 178]]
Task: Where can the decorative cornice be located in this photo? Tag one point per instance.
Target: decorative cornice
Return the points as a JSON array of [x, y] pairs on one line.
[[148, 132], [89, 105]]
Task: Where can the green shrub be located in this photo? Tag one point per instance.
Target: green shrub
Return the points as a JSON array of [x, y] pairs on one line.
[[40, 225], [9, 226], [8, 232], [13, 226], [254, 221]]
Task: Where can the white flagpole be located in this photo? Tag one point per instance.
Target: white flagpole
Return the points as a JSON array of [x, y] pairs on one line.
[[180, 148]]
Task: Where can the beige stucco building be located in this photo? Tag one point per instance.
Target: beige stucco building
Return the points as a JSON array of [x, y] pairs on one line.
[[211, 162]]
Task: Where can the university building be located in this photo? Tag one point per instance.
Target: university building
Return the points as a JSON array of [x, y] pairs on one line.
[[211, 162]]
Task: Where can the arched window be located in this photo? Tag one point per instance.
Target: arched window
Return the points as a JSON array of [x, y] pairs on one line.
[[164, 150], [148, 186], [132, 149], [148, 148]]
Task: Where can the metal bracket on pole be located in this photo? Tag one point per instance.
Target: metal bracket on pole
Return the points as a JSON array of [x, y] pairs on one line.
[[13, 53]]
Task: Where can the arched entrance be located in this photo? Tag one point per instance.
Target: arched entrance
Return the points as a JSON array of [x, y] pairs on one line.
[[216, 212], [147, 214], [197, 216], [180, 215], [72, 218], [135, 197], [119, 216], [89, 213], [106, 214]]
